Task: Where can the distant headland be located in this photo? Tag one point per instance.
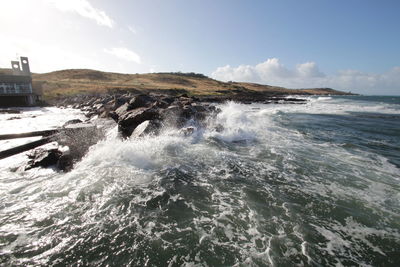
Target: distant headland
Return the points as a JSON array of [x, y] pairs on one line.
[[85, 81]]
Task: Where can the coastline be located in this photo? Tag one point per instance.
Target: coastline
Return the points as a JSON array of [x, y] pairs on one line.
[[256, 177]]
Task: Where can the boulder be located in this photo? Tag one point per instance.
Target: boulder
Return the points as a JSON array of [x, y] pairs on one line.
[[65, 162], [128, 121], [185, 100], [147, 127], [122, 110], [140, 101], [79, 137], [104, 114], [117, 102], [172, 115], [113, 115], [199, 108], [168, 99], [188, 112], [43, 158], [160, 104]]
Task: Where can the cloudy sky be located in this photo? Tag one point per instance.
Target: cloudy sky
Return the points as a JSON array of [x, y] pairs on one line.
[[351, 45]]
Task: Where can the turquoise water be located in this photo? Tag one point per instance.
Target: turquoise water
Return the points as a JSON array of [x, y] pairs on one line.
[[281, 185]]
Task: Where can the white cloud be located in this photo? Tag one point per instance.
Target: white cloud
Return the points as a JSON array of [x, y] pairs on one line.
[[308, 69], [132, 29], [84, 9], [307, 75], [272, 68], [124, 53]]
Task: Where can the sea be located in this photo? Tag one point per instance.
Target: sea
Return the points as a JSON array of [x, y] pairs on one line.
[[315, 184]]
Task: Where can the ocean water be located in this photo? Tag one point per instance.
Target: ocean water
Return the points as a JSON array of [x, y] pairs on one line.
[[281, 185]]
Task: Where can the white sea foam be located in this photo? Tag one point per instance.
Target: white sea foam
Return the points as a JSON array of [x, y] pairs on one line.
[[254, 190]]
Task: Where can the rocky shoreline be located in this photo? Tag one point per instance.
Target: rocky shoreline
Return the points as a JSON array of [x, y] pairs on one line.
[[130, 110], [136, 115]]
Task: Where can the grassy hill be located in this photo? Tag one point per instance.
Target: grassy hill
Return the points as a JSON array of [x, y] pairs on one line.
[[77, 81]]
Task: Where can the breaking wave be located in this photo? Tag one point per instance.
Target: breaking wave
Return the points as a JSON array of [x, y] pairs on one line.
[[261, 185]]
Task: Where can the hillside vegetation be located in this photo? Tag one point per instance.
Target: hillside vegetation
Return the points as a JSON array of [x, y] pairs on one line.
[[78, 81]]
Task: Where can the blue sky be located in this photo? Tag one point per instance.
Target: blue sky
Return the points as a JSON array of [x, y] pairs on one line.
[[349, 44]]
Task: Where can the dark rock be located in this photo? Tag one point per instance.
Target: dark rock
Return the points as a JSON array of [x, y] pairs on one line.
[[169, 100], [199, 108], [188, 111], [128, 121], [147, 127], [171, 115], [160, 104], [200, 116], [140, 101], [113, 115], [130, 111], [214, 110], [91, 114], [177, 103], [43, 158], [122, 109], [104, 114], [13, 118], [173, 109], [79, 137], [10, 111], [97, 106], [65, 162], [117, 102], [185, 101]]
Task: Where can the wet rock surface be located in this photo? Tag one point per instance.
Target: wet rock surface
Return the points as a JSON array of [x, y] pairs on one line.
[[73, 140], [43, 158], [136, 115], [150, 112], [131, 110], [147, 127]]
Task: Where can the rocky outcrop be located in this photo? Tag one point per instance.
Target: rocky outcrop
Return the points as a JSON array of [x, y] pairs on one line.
[[129, 120], [150, 112], [136, 116], [149, 127], [75, 137], [43, 158]]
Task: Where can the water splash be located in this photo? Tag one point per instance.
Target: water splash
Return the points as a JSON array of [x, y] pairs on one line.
[[262, 185]]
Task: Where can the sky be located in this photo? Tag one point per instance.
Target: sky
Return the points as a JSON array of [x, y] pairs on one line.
[[350, 45]]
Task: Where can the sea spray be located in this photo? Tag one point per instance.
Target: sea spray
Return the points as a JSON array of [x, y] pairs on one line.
[[261, 185]]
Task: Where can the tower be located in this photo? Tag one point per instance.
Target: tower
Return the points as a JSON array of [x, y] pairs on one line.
[[25, 66], [16, 69]]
